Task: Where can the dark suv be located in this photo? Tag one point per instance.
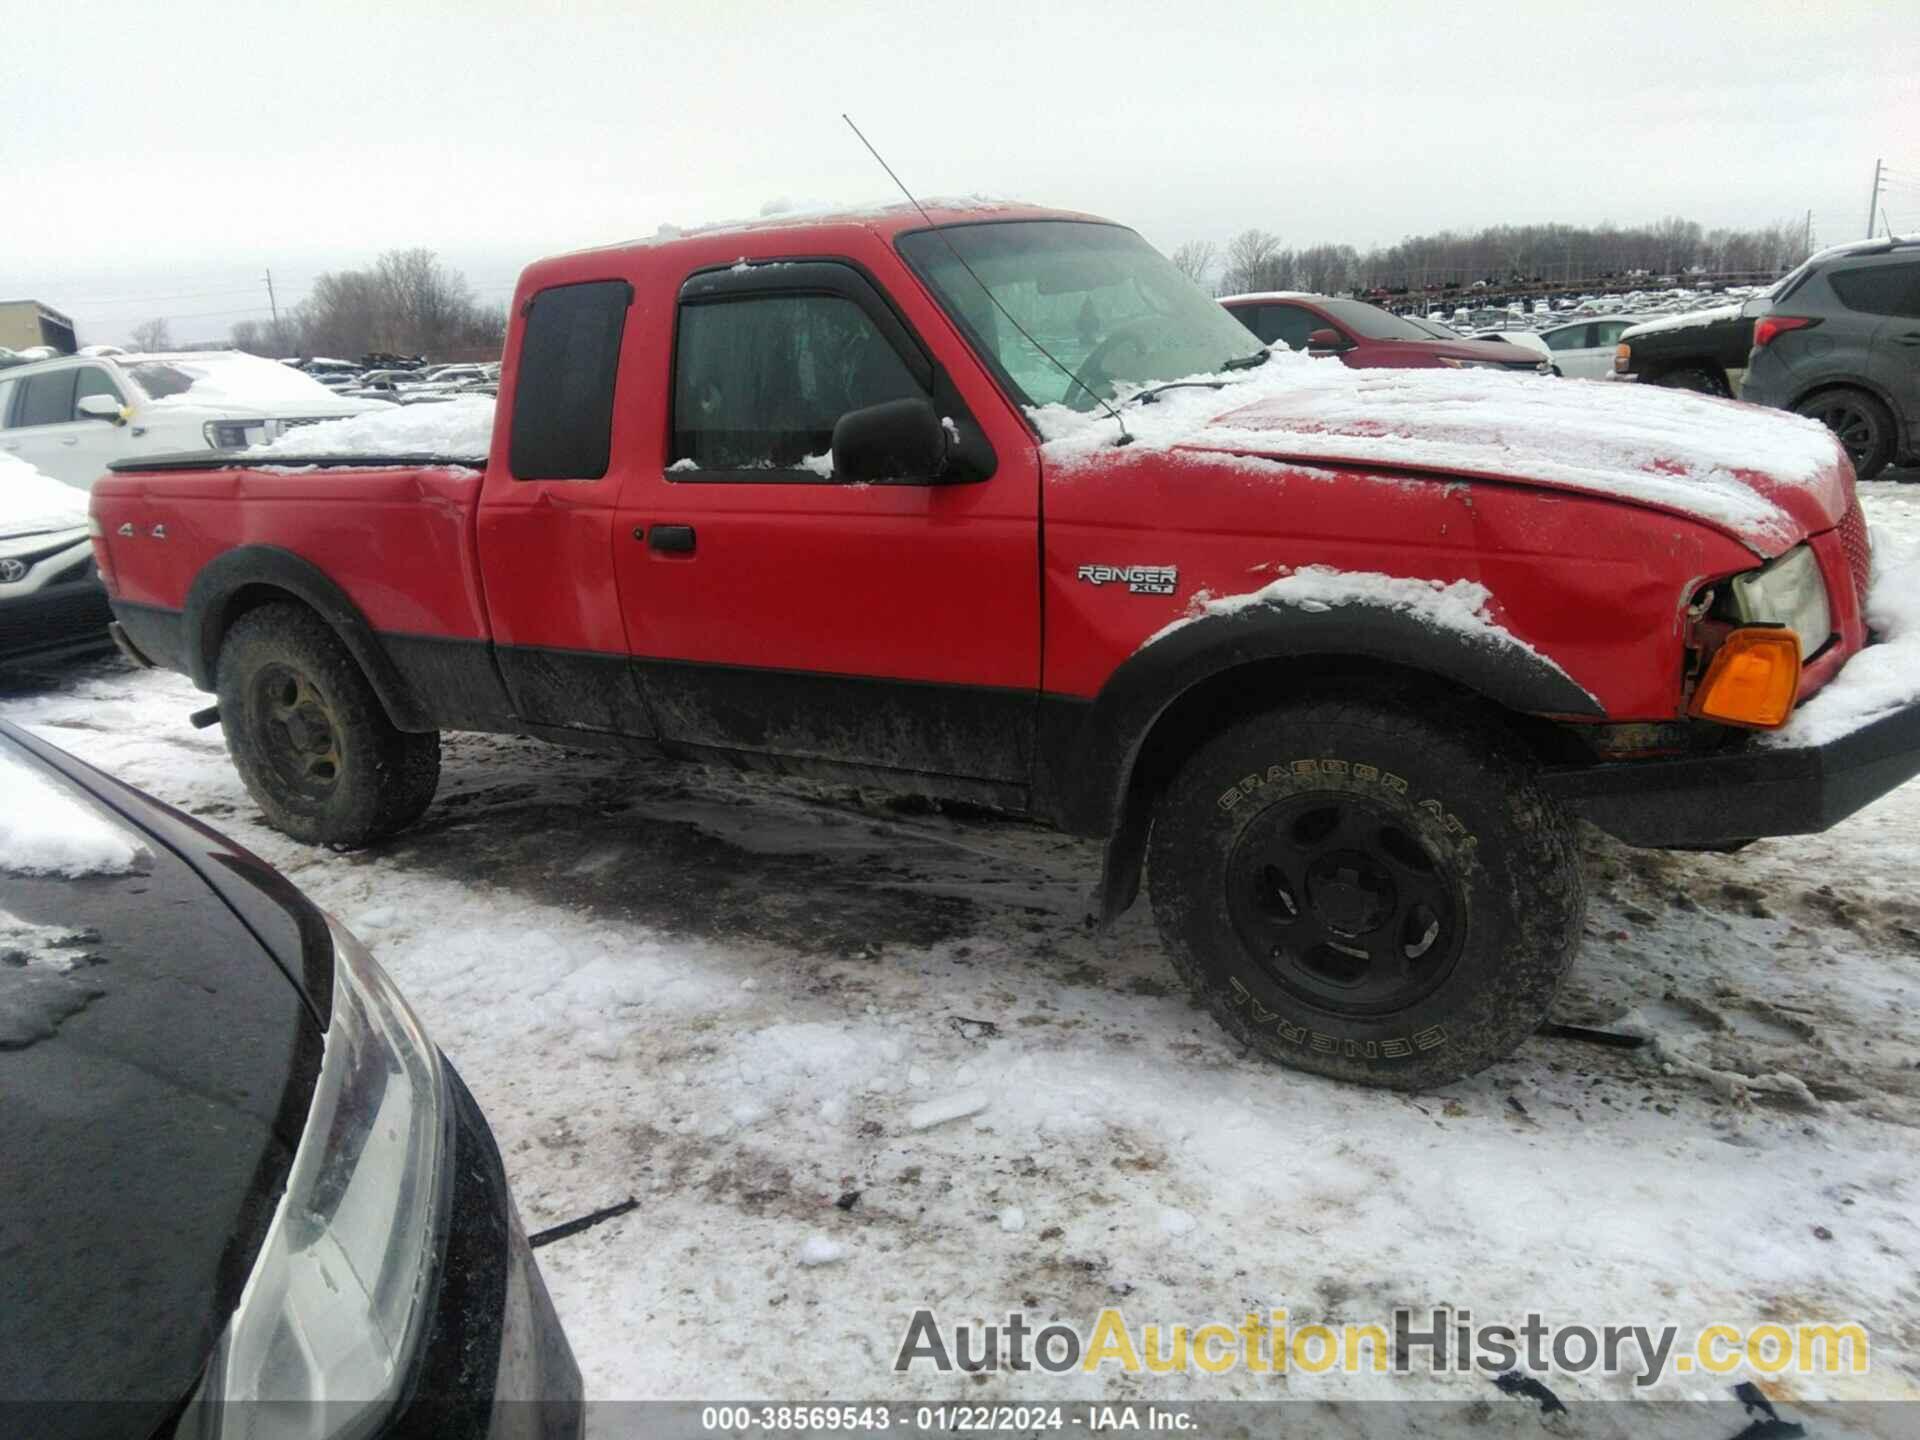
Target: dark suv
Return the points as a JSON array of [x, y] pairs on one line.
[[1840, 341]]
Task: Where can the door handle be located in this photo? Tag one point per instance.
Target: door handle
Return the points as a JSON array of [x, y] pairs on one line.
[[670, 539], [70, 440], [1912, 337]]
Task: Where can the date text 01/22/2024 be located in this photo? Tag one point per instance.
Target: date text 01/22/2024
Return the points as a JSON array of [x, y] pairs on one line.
[[943, 1419]]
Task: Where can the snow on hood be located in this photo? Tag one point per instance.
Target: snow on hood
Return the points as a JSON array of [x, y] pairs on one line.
[[1766, 477], [36, 504], [457, 429], [44, 830]]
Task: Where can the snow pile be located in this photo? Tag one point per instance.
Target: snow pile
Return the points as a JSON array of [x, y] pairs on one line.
[[45, 830], [32, 503], [1884, 677], [1461, 606], [1685, 320], [457, 429], [1694, 454], [819, 1250]]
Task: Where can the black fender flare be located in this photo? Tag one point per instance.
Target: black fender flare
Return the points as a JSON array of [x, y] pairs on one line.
[[209, 613], [1090, 753]]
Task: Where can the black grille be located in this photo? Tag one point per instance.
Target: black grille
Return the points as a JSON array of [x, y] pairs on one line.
[[54, 621]]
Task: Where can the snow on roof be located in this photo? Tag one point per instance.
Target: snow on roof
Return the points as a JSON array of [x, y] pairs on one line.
[[1273, 295], [457, 429], [1685, 320], [1698, 455], [45, 829], [781, 214], [35, 504]]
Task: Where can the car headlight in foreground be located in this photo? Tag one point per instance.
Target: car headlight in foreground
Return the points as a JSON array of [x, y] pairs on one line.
[[1791, 592], [331, 1314]]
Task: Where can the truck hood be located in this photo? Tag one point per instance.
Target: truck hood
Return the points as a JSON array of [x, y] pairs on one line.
[[1767, 478]]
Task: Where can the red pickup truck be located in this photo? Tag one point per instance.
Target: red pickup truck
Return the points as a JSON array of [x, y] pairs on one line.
[[990, 503]]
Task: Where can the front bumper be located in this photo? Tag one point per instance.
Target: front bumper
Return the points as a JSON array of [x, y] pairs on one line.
[[494, 1361], [54, 622], [1712, 800]]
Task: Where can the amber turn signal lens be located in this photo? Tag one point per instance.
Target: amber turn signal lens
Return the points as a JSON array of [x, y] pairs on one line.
[[1753, 678]]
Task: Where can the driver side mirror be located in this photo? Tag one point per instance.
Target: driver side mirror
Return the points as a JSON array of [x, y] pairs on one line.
[[895, 440], [98, 407], [1328, 339]]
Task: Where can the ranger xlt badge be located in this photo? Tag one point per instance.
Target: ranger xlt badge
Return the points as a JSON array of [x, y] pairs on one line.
[[1139, 579]]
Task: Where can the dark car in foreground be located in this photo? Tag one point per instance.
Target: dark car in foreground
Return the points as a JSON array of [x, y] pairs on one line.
[[1366, 337], [52, 604], [1839, 340], [245, 1193]]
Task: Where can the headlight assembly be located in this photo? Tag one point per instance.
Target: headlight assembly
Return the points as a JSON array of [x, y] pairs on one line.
[[1791, 592], [331, 1313]]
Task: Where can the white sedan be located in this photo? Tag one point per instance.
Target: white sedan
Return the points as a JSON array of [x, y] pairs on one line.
[[1584, 349], [73, 416]]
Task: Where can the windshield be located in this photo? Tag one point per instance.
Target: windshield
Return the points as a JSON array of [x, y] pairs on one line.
[[1106, 304], [1370, 322], [225, 378]]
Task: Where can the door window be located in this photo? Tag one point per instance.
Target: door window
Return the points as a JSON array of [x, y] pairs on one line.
[[47, 399], [761, 380], [94, 381], [1574, 337], [6, 400]]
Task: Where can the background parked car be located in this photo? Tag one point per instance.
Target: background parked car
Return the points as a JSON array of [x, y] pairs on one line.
[[52, 603], [72, 417], [1703, 350], [238, 1169], [1365, 336], [1585, 349], [1841, 342]]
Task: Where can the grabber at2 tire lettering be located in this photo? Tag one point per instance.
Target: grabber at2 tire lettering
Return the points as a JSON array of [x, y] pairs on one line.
[[309, 736], [1375, 890]]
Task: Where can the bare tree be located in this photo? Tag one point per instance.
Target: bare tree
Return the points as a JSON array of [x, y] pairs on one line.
[[152, 335], [1194, 259], [1255, 261]]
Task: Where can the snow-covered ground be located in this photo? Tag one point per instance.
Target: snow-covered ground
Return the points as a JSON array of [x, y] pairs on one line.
[[741, 1001]]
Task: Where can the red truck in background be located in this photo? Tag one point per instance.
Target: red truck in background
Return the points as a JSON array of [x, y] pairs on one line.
[[824, 497]]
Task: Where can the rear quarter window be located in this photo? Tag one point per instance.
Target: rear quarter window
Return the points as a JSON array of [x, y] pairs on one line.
[[1879, 289], [563, 398]]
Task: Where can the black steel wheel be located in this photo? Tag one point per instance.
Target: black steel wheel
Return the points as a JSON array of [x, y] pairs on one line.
[[311, 739], [1375, 889]]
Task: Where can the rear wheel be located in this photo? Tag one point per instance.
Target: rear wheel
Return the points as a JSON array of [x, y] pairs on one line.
[[1861, 423], [1366, 890], [1706, 382], [309, 736]]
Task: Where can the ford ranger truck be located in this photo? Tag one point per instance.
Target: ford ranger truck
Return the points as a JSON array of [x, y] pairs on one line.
[[989, 503]]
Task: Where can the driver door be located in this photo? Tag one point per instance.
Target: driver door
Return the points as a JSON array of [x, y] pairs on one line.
[[773, 609]]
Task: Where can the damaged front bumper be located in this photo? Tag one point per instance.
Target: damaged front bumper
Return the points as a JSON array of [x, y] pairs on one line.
[[1723, 799]]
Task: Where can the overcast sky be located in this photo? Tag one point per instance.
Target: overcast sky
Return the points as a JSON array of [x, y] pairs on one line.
[[157, 157]]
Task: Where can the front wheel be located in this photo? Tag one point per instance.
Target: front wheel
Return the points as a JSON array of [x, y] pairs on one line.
[[1365, 891], [310, 738]]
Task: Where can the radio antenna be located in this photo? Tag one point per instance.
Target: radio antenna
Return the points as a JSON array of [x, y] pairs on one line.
[[1126, 438]]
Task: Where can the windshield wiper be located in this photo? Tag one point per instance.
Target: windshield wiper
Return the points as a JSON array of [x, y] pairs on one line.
[[1244, 362]]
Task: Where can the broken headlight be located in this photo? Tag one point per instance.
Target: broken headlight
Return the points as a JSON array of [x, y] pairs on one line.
[[1791, 592]]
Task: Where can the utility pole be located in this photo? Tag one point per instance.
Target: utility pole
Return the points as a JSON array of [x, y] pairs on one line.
[[274, 305], [1873, 203]]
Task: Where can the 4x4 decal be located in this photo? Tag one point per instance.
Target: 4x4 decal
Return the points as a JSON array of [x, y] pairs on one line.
[[1139, 579]]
